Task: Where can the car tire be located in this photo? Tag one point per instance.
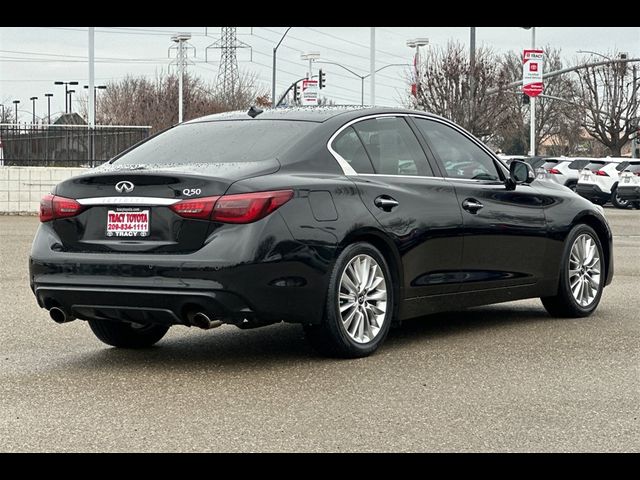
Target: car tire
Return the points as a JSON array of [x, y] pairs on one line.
[[127, 335], [573, 300], [353, 325], [617, 201], [573, 186], [599, 201]]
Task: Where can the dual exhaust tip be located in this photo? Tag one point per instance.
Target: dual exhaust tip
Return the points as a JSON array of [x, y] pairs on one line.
[[197, 319]]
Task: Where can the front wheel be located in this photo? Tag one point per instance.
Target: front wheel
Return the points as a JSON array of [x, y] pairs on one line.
[[582, 275], [617, 201], [359, 306], [127, 335]]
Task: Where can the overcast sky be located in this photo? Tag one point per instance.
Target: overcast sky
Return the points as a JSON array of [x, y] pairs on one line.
[[31, 59]]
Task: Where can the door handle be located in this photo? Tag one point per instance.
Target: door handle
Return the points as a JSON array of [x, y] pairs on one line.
[[386, 203], [472, 205]]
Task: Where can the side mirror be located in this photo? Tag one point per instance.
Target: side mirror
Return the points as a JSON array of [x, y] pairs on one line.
[[520, 173]]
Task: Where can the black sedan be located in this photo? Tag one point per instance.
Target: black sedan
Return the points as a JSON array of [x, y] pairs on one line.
[[344, 220]]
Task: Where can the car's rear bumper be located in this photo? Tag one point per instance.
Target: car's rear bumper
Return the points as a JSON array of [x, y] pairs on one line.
[[284, 280], [631, 193], [592, 192]]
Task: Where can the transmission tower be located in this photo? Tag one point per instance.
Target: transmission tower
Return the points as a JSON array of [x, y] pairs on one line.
[[228, 75]]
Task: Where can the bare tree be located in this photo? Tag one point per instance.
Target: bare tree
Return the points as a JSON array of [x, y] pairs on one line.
[[608, 95], [443, 88], [154, 102]]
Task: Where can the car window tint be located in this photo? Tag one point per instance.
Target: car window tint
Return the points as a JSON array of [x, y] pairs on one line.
[[392, 147], [621, 166], [460, 157], [634, 168], [578, 164], [550, 164], [228, 141], [348, 146], [594, 165]]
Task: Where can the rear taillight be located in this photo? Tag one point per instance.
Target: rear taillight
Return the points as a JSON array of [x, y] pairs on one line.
[[199, 208], [601, 173], [238, 208], [53, 207], [637, 174], [555, 171], [249, 207]]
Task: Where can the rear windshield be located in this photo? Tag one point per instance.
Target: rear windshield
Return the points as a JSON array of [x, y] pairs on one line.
[[549, 164], [218, 142], [578, 164], [634, 168], [594, 165]]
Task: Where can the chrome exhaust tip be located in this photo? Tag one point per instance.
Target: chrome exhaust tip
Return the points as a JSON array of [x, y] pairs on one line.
[[59, 316], [202, 320]]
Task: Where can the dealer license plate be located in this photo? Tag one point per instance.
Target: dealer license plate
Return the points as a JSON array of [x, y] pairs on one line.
[[128, 222]]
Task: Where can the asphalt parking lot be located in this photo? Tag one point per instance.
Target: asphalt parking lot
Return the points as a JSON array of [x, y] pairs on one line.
[[499, 378]]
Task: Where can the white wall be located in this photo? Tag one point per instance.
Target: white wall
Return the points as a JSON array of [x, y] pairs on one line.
[[21, 188]]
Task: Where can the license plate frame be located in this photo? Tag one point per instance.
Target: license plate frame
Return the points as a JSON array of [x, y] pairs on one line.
[[128, 222]]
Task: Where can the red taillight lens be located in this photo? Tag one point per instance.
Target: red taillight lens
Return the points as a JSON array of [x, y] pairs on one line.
[[52, 207], [637, 174], [238, 208], [199, 208], [555, 171], [249, 207], [601, 173]]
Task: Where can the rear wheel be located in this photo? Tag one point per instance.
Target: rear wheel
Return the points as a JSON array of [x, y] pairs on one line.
[[127, 335], [573, 186], [617, 201], [359, 307], [581, 275]]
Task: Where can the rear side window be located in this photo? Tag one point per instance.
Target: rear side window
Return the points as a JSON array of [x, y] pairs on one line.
[[392, 147], [219, 142], [348, 146], [578, 164], [634, 168]]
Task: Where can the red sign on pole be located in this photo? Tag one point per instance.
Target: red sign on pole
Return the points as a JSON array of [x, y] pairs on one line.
[[532, 67]]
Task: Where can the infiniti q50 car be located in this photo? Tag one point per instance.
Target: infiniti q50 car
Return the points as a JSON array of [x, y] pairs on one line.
[[341, 219]]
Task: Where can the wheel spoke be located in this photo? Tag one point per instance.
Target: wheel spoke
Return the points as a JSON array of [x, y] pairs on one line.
[[584, 270], [346, 306]]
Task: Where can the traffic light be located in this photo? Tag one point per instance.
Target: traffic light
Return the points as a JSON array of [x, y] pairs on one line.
[[296, 94], [323, 79], [525, 99]]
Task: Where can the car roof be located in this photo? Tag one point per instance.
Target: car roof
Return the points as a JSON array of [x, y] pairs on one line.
[[308, 114]]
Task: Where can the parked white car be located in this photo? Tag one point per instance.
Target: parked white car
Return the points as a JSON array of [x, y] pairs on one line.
[[598, 181], [629, 183], [563, 170]]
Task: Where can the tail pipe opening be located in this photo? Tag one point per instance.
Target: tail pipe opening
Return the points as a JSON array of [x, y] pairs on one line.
[[58, 315], [202, 320]]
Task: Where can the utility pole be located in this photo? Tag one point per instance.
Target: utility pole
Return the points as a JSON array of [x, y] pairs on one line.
[[472, 71], [228, 75], [372, 65]]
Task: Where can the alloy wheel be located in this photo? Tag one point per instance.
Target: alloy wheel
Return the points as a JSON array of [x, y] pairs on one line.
[[584, 270]]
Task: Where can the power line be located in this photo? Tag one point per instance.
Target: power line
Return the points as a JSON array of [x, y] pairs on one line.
[[351, 42]]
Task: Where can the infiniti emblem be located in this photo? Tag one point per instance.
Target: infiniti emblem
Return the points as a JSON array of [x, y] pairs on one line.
[[124, 187]]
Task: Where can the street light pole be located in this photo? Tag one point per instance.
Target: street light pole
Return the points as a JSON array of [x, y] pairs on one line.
[[48, 95], [16, 102], [372, 65], [33, 106], [273, 72], [66, 93], [71, 92], [417, 43], [363, 77], [472, 70]]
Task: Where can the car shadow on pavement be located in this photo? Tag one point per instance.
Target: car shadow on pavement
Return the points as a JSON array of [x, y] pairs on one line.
[[285, 344]]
